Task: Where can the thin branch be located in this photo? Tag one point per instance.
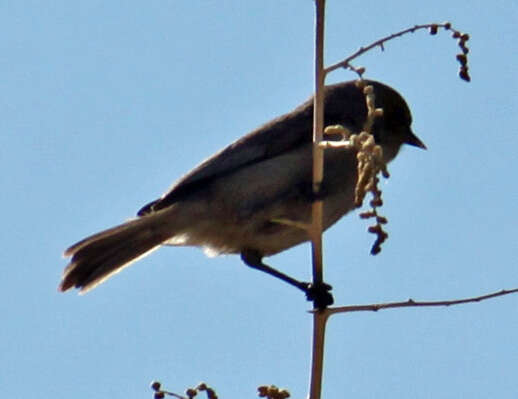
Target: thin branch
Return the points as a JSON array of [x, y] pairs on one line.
[[346, 63], [315, 230], [378, 43], [319, 317], [410, 303]]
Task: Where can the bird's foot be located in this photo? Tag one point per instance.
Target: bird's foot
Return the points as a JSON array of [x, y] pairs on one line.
[[319, 294]]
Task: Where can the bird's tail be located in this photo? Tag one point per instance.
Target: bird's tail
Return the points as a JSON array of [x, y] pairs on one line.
[[98, 257]]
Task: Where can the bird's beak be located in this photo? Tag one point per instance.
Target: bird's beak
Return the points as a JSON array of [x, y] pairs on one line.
[[412, 139]]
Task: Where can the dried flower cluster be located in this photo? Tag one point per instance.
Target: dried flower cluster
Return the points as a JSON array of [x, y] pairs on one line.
[[370, 164], [272, 392]]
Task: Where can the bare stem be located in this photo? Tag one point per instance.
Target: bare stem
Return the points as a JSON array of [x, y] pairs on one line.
[[317, 362], [318, 153], [319, 317], [411, 303]]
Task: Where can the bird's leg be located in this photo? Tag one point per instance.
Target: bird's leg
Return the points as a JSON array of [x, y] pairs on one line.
[[254, 260], [319, 294]]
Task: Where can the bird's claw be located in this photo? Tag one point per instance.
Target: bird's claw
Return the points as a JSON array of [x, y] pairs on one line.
[[319, 294]]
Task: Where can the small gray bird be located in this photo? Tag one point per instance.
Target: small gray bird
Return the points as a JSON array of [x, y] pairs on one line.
[[228, 204]]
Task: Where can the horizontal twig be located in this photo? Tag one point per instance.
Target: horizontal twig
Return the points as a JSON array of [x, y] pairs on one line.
[[411, 303]]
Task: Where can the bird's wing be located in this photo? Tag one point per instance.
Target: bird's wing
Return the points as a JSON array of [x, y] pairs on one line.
[[344, 105], [272, 139]]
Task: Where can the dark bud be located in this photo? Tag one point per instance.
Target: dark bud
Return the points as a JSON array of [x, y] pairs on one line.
[[376, 202], [360, 70], [455, 35], [433, 29], [463, 74], [284, 394], [367, 215], [376, 229], [376, 249], [155, 385], [464, 37], [381, 220], [159, 395], [447, 25], [464, 49], [462, 59]]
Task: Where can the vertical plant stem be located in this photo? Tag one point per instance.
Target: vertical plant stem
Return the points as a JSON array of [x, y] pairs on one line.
[[319, 316], [317, 362], [318, 153]]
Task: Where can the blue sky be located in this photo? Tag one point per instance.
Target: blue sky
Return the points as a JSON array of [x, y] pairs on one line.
[[103, 106]]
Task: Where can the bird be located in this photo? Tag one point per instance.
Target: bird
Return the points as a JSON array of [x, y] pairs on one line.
[[231, 203]]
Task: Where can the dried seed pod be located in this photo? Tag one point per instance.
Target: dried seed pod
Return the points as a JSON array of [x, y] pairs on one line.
[[374, 229], [381, 220], [376, 202], [464, 74], [368, 90], [155, 385], [367, 215], [462, 59]]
